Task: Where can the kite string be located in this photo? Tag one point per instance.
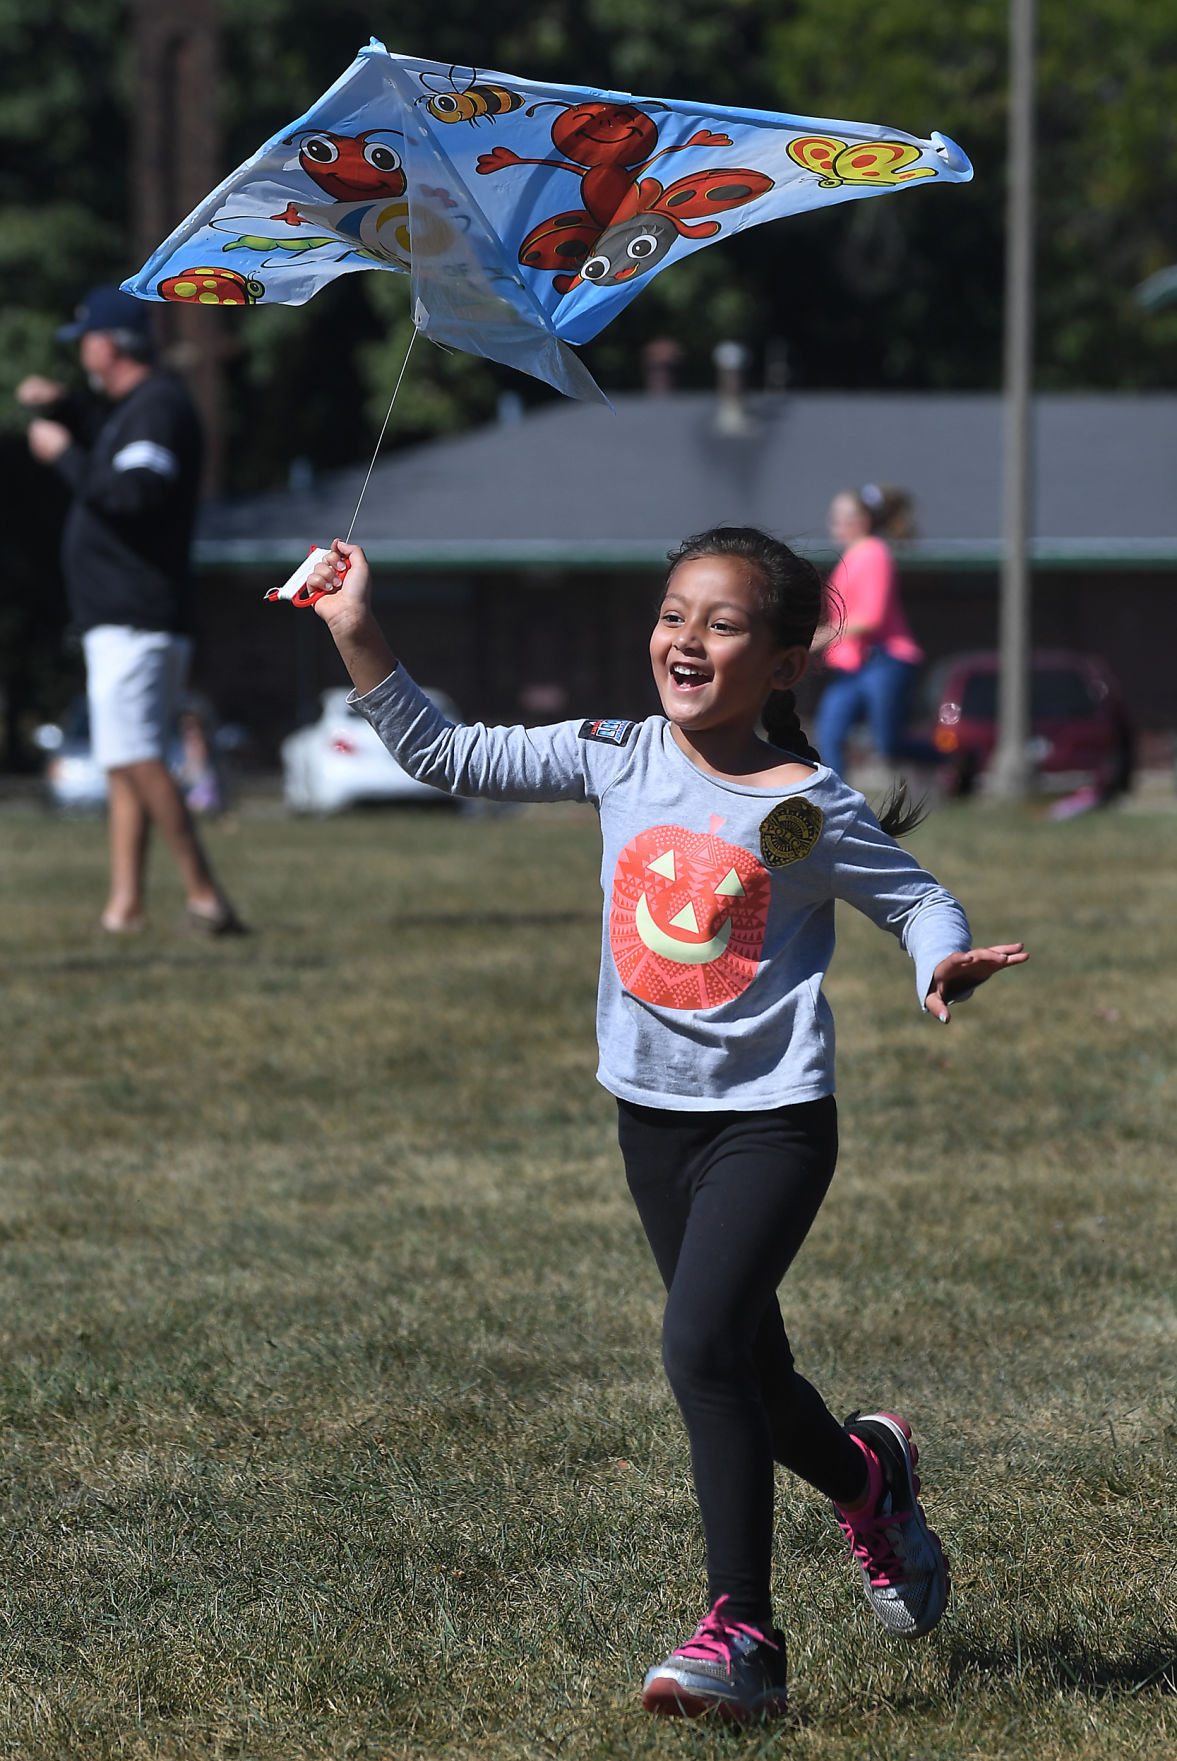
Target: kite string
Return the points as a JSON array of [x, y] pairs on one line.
[[380, 436]]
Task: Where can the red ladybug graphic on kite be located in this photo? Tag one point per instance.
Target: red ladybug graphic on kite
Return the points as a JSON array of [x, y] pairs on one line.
[[688, 917], [352, 168], [629, 222], [211, 286]]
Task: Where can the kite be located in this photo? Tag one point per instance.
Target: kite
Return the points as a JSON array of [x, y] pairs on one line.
[[525, 215]]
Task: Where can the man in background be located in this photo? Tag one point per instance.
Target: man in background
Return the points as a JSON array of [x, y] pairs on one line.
[[132, 461]]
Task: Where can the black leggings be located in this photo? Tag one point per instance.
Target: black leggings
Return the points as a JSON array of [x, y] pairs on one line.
[[726, 1199]]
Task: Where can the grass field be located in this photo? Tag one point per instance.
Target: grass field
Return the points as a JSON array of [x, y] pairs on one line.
[[332, 1418]]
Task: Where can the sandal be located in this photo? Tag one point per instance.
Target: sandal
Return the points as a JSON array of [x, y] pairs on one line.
[[220, 920]]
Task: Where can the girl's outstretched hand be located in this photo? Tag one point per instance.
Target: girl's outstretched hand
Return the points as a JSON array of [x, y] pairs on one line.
[[346, 609], [962, 972], [348, 597]]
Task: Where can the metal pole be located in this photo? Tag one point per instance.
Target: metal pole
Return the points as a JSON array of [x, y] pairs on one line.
[[1010, 773]]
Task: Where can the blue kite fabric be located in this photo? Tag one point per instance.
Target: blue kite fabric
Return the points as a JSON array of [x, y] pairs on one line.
[[526, 215]]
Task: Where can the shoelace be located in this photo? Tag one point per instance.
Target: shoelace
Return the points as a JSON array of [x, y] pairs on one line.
[[715, 1634], [875, 1542]]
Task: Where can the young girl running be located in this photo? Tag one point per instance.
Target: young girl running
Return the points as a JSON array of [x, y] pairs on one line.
[[724, 853]]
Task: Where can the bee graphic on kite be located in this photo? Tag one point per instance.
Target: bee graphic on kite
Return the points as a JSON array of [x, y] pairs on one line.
[[467, 102], [629, 222]]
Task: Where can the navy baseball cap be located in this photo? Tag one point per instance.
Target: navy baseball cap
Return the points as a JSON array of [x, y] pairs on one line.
[[107, 308]]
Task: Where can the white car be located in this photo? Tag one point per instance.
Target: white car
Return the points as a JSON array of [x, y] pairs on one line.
[[339, 761], [75, 783]]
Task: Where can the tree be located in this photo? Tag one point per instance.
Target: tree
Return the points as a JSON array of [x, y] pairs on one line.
[[926, 274], [903, 292], [62, 199]]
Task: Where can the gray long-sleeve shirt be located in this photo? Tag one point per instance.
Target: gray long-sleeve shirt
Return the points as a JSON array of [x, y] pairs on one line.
[[719, 897]]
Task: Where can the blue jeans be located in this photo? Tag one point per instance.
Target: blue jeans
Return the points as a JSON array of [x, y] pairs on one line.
[[877, 693]]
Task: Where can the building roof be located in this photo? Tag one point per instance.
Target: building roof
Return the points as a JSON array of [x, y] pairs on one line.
[[577, 485]]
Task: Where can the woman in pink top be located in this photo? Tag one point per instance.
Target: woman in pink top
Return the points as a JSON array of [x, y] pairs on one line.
[[866, 643]]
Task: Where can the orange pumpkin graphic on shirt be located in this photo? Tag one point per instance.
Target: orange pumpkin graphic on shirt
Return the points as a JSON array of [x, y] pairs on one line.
[[688, 917]]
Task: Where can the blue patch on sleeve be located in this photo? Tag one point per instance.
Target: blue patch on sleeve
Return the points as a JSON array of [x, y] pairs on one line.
[[609, 733]]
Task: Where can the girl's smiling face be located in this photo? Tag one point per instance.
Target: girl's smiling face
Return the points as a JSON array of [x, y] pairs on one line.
[[714, 654]]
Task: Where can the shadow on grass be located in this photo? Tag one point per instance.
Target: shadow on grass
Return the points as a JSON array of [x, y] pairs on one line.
[[493, 919], [1068, 1664], [119, 958], [120, 961]]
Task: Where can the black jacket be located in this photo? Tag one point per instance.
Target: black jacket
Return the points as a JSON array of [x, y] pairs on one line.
[[127, 536]]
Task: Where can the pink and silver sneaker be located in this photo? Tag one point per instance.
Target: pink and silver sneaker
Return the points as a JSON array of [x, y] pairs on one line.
[[725, 1667], [904, 1571]]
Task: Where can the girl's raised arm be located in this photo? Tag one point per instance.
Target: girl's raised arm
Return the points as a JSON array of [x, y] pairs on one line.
[[346, 609], [566, 761]]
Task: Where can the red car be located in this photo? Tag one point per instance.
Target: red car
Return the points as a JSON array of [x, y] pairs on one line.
[[1081, 731]]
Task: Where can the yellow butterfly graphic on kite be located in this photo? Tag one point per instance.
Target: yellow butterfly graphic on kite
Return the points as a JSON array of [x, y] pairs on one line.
[[862, 162]]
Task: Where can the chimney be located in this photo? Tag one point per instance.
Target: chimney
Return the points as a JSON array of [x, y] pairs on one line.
[[660, 363], [732, 417]]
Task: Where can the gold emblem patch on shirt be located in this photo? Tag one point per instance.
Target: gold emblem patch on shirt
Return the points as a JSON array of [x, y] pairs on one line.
[[790, 832]]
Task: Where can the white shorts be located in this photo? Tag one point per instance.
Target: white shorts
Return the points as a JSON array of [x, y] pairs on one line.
[[133, 682]]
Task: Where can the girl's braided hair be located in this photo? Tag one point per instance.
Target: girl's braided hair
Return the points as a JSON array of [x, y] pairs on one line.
[[793, 597]]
